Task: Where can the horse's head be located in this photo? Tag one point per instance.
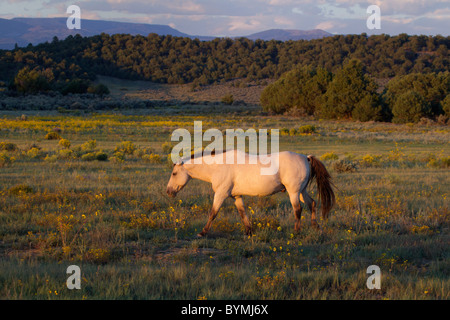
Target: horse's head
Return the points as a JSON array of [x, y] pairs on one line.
[[178, 179]]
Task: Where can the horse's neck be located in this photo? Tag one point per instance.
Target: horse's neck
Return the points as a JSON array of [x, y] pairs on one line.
[[199, 171]]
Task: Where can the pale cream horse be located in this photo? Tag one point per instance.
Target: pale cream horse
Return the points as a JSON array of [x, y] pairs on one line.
[[294, 173]]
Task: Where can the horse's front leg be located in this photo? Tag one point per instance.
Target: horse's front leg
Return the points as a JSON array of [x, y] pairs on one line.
[[219, 198]]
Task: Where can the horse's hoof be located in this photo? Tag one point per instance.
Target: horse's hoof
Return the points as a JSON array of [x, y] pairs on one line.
[[316, 226], [200, 235]]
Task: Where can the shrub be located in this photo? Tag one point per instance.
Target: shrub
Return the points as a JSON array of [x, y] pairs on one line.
[[52, 136], [442, 119], [7, 146], [284, 131], [142, 152], [167, 147], [351, 93], [64, 143], [446, 105], [97, 255], [5, 160], [99, 89], [292, 132], [20, 189], [89, 145], [118, 157], [329, 156], [410, 107], [439, 163], [370, 160], [228, 99], [127, 147], [307, 129], [344, 166], [64, 154], [368, 109], [75, 86], [35, 153], [152, 158], [33, 145], [33, 81], [91, 156], [301, 88], [51, 158], [169, 161], [101, 156], [432, 87]]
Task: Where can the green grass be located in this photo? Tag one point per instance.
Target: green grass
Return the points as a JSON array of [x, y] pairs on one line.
[[113, 219]]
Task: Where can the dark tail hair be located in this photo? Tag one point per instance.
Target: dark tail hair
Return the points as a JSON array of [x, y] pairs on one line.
[[324, 185]]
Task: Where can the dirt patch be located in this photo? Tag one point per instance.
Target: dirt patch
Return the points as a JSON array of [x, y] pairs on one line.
[[242, 92], [174, 254]]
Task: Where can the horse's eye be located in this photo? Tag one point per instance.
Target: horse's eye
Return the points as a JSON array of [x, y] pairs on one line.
[[174, 174]]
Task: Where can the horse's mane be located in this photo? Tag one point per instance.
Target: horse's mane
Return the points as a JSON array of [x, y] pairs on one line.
[[200, 154]]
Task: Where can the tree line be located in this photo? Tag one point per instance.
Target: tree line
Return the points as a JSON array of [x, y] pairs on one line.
[[333, 77], [178, 60], [351, 93]]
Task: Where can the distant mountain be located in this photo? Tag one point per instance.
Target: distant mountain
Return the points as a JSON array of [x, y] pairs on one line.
[[38, 30], [285, 34]]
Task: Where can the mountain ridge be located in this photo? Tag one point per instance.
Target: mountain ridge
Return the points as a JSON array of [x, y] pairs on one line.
[[289, 34], [22, 31]]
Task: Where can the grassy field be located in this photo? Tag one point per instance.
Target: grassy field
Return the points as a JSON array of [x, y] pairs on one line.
[[97, 200]]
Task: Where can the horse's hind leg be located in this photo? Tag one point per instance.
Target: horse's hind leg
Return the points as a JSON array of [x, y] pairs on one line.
[[295, 202], [219, 198], [240, 206], [311, 204]]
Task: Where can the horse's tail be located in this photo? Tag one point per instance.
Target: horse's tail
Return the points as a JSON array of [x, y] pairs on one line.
[[324, 185]]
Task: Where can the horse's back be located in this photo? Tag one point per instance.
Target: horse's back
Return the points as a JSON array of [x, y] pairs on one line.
[[246, 179], [289, 162], [244, 175]]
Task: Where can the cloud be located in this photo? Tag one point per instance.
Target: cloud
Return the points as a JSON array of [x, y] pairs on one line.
[[186, 6], [282, 21], [440, 14], [237, 17], [244, 24], [398, 19], [330, 25], [411, 7]]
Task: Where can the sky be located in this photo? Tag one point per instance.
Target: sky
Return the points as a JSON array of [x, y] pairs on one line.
[[244, 17]]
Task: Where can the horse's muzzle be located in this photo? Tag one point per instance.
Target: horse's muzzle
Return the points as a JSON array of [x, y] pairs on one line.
[[171, 192]]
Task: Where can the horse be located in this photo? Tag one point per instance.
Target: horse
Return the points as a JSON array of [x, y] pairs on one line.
[[243, 178]]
